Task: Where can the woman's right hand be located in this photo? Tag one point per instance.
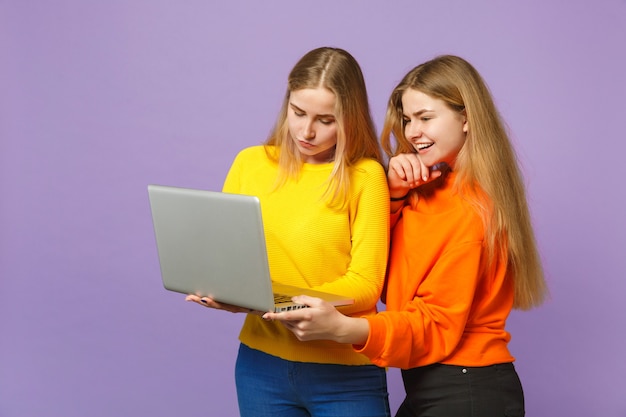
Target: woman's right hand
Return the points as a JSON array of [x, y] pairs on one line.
[[407, 171]]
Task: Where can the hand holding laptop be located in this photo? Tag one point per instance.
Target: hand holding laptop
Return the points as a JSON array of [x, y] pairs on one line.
[[321, 321], [211, 303]]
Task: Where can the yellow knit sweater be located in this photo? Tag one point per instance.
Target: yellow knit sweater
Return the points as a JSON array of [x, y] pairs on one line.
[[309, 244]]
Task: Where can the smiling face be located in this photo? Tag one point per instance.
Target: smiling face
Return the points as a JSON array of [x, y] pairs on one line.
[[435, 130], [312, 124]]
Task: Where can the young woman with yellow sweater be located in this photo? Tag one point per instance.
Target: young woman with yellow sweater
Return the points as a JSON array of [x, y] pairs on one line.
[[325, 205], [463, 252]]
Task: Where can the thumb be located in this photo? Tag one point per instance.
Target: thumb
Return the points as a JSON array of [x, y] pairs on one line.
[[434, 175], [307, 300]]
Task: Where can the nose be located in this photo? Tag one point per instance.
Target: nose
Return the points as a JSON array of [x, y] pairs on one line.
[[412, 131], [308, 131]]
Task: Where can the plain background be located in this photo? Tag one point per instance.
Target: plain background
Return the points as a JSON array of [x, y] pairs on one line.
[[98, 99]]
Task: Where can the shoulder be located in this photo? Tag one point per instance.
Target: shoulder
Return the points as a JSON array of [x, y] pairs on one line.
[[443, 210], [253, 155], [251, 152], [367, 177], [368, 168], [467, 219], [368, 164]]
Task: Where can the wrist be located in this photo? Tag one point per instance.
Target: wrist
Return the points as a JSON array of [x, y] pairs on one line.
[[353, 330], [392, 198]]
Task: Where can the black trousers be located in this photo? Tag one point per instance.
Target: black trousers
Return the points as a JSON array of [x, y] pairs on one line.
[[462, 391]]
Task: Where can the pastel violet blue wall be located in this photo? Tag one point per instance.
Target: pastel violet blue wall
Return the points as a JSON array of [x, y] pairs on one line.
[[99, 99]]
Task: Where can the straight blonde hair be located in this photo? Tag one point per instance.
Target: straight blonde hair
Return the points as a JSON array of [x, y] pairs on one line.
[[486, 166], [336, 70]]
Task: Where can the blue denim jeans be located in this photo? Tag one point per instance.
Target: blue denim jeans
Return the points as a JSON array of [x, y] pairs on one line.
[[271, 386]]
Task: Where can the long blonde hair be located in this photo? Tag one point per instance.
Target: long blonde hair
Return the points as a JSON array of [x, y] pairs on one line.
[[338, 71], [487, 163]]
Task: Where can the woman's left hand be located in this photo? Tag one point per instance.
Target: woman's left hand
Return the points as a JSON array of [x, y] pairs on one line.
[[211, 303]]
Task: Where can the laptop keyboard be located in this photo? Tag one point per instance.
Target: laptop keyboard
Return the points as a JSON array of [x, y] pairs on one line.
[[281, 298]]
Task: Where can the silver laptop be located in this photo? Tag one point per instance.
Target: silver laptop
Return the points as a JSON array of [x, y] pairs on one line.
[[213, 244]]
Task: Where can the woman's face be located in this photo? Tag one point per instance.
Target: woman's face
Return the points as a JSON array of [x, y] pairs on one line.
[[435, 131], [312, 124]]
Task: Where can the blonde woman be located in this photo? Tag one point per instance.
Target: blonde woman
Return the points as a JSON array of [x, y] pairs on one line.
[[325, 205], [463, 252]]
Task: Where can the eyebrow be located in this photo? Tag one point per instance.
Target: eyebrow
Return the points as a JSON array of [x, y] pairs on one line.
[[419, 112], [303, 111]]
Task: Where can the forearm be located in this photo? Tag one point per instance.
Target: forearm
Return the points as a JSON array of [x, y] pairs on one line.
[[352, 330]]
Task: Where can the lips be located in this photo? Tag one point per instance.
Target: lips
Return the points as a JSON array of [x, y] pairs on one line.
[[423, 146]]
